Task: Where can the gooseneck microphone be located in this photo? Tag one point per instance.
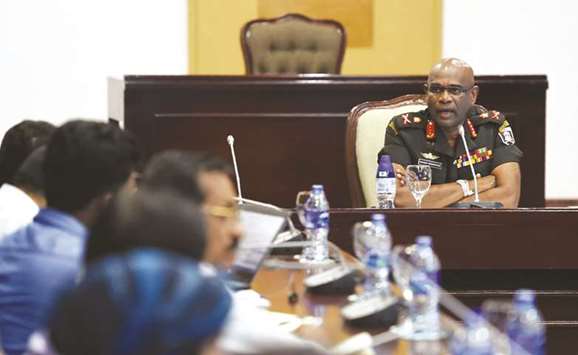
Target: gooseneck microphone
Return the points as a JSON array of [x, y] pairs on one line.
[[231, 141], [471, 163], [477, 203]]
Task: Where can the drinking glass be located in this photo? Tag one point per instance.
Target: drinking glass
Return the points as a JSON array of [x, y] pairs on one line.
[[365, 240], [402, 269], [418, 178], [497, 313], [300, 200]]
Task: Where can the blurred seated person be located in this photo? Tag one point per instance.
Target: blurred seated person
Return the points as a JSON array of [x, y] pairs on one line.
[[22, 197], [144, 302], [206, 180], [148, 218], [85, 164], [164, 214], [19, 142], [431, 137]]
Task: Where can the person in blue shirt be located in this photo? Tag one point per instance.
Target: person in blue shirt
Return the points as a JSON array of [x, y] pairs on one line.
[[142, 302], [86, 163]]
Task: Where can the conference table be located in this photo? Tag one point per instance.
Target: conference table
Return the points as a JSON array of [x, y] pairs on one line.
[[277, 284], [484, 254], [290, 133]]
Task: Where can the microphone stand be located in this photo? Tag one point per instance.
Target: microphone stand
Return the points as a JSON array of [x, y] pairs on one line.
[[476, 203]]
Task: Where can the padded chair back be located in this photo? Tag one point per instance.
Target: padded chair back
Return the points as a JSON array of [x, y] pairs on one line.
[[293, 44], [365, 136]]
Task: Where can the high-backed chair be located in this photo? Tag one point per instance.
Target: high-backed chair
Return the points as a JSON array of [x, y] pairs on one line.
[[364, 138], [293, 44]]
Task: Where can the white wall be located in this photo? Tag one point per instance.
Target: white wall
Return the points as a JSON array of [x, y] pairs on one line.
[[55, 55], [527, 37]]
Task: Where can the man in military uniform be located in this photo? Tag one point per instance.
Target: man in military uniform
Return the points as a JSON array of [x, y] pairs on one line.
[[431, 137]]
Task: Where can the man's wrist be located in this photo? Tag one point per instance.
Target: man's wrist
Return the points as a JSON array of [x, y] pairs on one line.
[[465, 187]]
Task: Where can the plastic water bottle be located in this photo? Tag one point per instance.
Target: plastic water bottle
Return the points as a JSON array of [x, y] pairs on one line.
[[385, 183], [377, 241], [317, 224], [473, 339], [525, 327], [424, 280]]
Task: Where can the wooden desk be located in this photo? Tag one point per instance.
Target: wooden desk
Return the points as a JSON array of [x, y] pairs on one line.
[[491, 253], [484, 254], [275, 286], [290, 131]]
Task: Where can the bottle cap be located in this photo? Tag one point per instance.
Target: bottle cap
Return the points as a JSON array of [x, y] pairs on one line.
[[385, 162], [385, 159], [378, 217], [423, 240], [524, 296], [317, 188]]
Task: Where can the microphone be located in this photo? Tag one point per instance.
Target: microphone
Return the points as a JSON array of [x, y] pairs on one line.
[[231, 141], [462, 134], [477, 203], [282, 237]]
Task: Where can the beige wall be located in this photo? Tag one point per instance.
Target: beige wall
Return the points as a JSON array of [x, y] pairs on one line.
[[406, 37]]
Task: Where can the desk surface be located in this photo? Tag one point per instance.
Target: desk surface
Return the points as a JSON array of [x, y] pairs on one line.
[[275, 285], [488, 254]]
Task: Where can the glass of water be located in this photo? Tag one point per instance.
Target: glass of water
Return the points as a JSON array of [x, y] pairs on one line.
[[418, 179]]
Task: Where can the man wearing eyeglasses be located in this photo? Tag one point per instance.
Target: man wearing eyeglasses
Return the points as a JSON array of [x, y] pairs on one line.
[[431, 137]]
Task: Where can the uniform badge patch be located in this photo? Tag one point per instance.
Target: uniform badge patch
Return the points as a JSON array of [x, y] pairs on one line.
[[392, 126], [507, 136], [433, 164], [430, 156]]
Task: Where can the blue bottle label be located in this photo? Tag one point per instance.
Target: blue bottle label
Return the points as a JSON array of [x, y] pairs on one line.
[[317, 219]]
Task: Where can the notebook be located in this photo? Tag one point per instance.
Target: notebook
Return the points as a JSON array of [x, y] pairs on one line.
[[261, 224]]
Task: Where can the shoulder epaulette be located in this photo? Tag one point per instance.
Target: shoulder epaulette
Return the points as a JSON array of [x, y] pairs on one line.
[[480, 115], [409, 120]]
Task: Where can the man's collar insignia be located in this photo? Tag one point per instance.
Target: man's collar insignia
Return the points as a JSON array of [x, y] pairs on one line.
[[429, 156]]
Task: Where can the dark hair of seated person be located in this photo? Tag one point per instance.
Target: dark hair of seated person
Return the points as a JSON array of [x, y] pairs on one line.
[[178, 170], [159, 219], [18, 142], [145, 302], [29, 176], [85, 160]]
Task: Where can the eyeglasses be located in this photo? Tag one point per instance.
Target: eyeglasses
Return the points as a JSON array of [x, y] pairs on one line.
[[225, 212], [453, 90]]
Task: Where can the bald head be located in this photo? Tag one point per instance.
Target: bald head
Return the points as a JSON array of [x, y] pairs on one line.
[[451, 92], [453, 67]]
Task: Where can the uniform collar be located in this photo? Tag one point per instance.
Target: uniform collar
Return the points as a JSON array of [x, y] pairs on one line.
[[441, 143]]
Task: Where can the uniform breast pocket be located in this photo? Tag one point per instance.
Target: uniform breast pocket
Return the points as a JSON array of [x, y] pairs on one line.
[[483, 168]]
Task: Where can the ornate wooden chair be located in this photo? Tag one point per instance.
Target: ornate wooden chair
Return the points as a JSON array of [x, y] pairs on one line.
[[293, 44], [365, 135]]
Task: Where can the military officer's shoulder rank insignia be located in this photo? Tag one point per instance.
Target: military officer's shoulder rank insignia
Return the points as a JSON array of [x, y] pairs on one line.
[[506, 134], [484, 117], [410, 119]]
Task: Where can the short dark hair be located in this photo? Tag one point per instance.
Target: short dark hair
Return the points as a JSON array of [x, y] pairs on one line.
[[18, 142], [30, 176], [179, 170], [85, 159], [143, 302], [146, 218]]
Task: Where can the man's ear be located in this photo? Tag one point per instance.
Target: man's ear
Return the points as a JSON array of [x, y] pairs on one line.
[[474, 92]]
